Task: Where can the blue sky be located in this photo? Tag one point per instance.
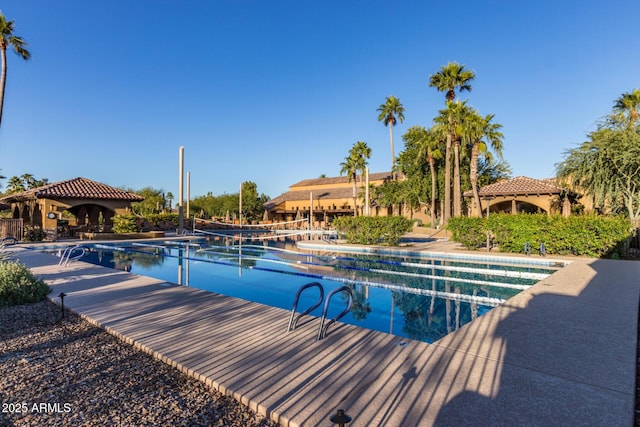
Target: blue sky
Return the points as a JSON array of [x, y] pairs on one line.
[[278, 91]]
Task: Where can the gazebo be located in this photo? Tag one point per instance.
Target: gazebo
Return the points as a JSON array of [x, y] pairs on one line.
[[92, 204], [524, 194]]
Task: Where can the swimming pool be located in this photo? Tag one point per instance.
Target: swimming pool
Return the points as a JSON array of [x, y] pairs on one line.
[[408, 295]]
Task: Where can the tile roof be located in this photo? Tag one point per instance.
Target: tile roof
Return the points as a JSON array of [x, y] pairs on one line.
[[339, 179], [76, 188], [303, 196], [520, 185]]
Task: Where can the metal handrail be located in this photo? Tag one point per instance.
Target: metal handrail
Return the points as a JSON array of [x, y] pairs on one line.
[[322, 331], [293, 322], [8, 241], [66, 255]]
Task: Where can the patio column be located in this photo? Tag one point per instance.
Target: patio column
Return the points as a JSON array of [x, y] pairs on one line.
[[513, 207]]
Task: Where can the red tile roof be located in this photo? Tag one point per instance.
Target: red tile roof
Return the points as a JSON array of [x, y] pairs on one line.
[[76, 188], [520, 185], [339, 179], [303, 196]]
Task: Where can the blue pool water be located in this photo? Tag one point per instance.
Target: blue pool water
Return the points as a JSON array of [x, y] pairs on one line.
[[411, 296]]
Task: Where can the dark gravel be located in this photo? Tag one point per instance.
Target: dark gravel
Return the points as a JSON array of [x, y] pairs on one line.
[[56, 372]]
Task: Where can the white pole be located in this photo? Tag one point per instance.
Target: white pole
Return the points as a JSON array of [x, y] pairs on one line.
[[181, 189], [188, 192], [366, 192], [240, 205], [310, 210]]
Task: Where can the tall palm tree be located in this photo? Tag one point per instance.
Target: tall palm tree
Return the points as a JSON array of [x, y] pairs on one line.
[[391, 112], [350, 168], [629, 103], [7, 39], [450, 77], [361, 153], [452, 121], [427, 143], [481, 134]]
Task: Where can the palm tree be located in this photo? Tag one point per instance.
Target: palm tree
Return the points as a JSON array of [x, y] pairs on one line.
[[350, 167], [391, 112], [450, 77], [7, 38], [361, 153], [428, 146], [482, 133], [170, 198], [355, 162], [451, 121], [629, 103], [15, 185]]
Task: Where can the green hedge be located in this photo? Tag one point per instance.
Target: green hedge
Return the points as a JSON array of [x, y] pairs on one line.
[[19, 286], [586, 235], [367, 230]]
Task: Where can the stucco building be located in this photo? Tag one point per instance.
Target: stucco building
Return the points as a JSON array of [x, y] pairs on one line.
[[91, 205], [331, 197]]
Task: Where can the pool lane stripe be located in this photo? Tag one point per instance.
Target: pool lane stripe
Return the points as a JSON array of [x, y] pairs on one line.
[[416, 291], [469, 270]]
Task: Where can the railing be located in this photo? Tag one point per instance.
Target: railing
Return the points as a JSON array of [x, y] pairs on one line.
[[322, 330], [294, 321], [65, 258], [11, 228]]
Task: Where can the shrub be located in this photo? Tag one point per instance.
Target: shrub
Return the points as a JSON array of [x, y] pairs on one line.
[[124, 224], [366, 230], [584, 235], [471, 232], [19, 286], [34, 234]]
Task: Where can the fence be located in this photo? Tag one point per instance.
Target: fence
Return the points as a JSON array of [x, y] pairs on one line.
[[11, 228]]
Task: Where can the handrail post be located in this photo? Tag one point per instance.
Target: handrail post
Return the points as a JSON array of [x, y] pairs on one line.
[[322, 331], [293, 322]]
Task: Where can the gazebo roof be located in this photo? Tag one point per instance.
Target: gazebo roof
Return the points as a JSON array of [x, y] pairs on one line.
[[520, 186], [76, 188]]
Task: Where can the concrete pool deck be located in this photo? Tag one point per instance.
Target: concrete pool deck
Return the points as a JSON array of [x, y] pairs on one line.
[[562, 352]]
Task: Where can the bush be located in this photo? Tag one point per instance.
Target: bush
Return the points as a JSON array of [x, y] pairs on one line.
[[19, 286], [34, 234], [471, 232], [367, 230], [584, 235], [124, 224]]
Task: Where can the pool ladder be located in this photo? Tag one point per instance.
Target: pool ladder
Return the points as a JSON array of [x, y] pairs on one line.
[[322, 330], [66, 255]]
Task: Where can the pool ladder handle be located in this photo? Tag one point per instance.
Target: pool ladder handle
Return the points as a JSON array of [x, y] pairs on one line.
[[322, 331], [66, 255]]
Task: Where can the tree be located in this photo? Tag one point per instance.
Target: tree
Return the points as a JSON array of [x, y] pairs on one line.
[[607, 167], [8, 39], [452, 122], [152, 203], [26, 181], [481, 134], [427, 145], [361, 154], [252, 202], [350, 168], [450, 77], [170, 199], [628, 104], [391, 112]]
